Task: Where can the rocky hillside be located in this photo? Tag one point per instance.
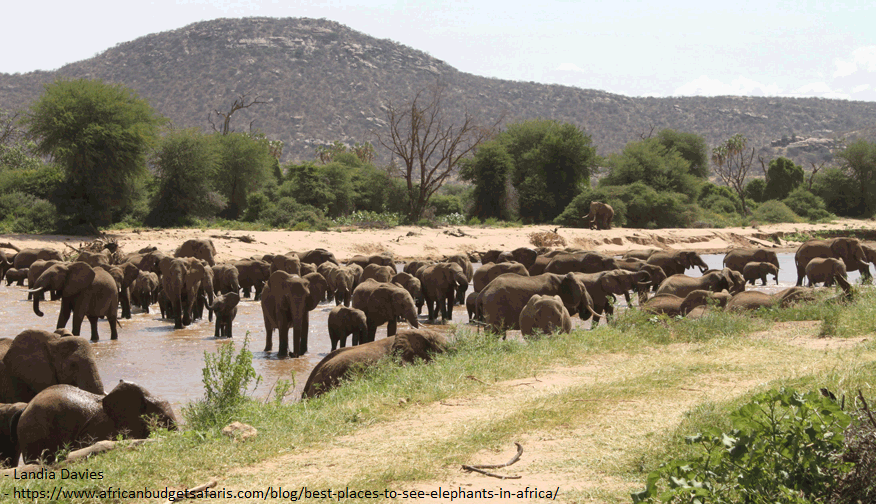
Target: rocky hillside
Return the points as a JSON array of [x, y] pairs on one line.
[[322, 82]]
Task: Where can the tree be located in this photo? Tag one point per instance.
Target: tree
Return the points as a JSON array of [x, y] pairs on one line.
[[662, 168], [363, 152], [100, 134], [783, 176], [732, 162], [428, 144], [488, 170], [691, 147], [244, 164], [185, 163], [239, 103], [858, 160], [552, 163]]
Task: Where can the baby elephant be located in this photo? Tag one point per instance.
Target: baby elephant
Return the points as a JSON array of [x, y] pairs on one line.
[[545, 313], [754, 270], [343, 321], [16, 275], [824, 270], [225, 309]]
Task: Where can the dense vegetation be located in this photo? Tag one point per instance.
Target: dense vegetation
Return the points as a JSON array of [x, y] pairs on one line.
[[89, 155]]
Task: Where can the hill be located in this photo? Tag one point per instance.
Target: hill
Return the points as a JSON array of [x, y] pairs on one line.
[[322, 81]]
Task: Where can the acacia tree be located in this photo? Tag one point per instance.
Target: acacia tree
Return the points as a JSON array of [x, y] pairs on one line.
[[428, 144], [733, 161], [858, 160]]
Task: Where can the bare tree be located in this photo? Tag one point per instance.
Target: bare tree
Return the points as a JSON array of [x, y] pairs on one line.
[[9, 131], [815, 170], [733, 161], [241, 102], [428, 144]]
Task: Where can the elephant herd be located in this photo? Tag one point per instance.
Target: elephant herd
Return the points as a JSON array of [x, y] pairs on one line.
[[535, 291]]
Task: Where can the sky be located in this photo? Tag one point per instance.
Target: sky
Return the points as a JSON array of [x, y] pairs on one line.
[[797, 48]]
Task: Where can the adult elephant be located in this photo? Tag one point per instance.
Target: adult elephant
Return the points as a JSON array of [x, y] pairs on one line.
[[7, 261], [94, 259], [36, 269], [824, 270], [225, 279], [410, 345], [486, 273], [846, 249], [655, 273], [144, 291], [715, 281], [35, 360], [545, 314], [677, 262], [524, 255], [344, 279], [318, 256], [588, 262], [384, 303], [252, 274], [378, 272], [286, 262], [600, 216], [124, 274], [672, 305], [26, 257], [443, 284], [752, 300], [642, 254], [200, 248], [604, 286], [182, 280], [414, 287], [66, 416], [9, 452], [85, 292], [501, 302], [286, 303], [736, 259], [465, 263], [379, 259]]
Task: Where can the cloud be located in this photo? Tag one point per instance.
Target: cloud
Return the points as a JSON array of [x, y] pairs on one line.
[[570, 67], [862, 59], [861, 88], [819, 90], [740, 86]]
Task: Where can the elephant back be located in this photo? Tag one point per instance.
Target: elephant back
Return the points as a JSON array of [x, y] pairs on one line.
[[414, 344], [329, 372]]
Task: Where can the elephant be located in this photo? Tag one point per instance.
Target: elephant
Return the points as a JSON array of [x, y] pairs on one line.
[[18, 276], [65, 416], [673, 305], [847, 249], [486, 273], [608, 284], [410, 345], [677, 262], [752, 300], [224, 307], [342, 322], [383, 303], [501, 302], [736, 259], [151, 261], [34, 271], [307, 268], [754, 270], [656, 274], [181, 282], [124, 274], [85, 291], [822, 269], [200, 248], [471, 306], [588, 262], [344, 280], [378, 259], [144, 291], [600, 216], [545, 314], [225, 279], [35, 360], [9, 453], [286, 303], [326, 269], [288, 263], [378, 272], [540, 264], [524, 255], [318, 285], [715, 281], [6, 262], [413, 285], [26, 257], [252, 274], [443, 283], [318, 256], [94, 259], [643, 254], [412, 267], [464, 263]]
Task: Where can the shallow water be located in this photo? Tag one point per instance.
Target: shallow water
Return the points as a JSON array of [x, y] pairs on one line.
[[168, 362]]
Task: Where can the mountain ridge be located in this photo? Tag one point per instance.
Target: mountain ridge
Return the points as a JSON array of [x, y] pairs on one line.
[[322, 81]]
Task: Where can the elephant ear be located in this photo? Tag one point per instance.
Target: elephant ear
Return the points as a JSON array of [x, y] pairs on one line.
[[310, 302], [124, 405], [79, 276], [74, 363]]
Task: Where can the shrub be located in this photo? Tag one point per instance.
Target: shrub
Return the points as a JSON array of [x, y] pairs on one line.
[[807, 205], [445, 204], [547, 239], [287, 212], [25, 213], [775, 211]]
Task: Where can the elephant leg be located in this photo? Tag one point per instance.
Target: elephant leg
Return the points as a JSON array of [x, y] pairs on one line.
[[420, 302], [447, 307], [217, 333], [63, 314], [258, 290], [92, 320], [306, 330], [114, 325], [126, 304], [391, 328], [284, 341], [77, 324], [245, 291]]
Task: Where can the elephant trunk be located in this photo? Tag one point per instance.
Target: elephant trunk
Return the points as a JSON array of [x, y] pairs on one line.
[[36, 300]]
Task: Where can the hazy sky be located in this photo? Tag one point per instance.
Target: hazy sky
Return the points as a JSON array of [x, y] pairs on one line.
[[670, 48]]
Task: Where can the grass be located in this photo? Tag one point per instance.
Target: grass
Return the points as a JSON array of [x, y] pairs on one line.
[[607, 405]]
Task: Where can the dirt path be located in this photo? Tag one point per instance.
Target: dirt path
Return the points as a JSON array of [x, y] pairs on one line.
[[583, 428]]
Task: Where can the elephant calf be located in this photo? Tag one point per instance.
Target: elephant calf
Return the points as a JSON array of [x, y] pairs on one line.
[[17, 276], [824, 270], [225, 309], [546, 314], [759, 270], [342, 322]]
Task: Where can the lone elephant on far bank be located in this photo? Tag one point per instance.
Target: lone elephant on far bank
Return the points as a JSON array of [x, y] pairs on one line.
[[600, 216]]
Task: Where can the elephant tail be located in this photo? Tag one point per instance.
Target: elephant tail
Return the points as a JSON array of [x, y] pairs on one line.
[[13, 433]]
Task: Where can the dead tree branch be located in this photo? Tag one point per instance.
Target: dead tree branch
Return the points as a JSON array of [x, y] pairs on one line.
[[241, 102], [480, 467]]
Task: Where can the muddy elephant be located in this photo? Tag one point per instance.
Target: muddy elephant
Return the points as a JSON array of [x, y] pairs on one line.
[[501, 302], [9, 452], [16, 276], [677, 262], [524, 255], [286, 304], [760, 270], [599, 217], [378, 272], [588, 262], [24, 258], [201, 248], [486, 273], [604, 286], [95, 259], [715, 281], [414, 287], [752, 300], [384, 303], [145, 289], [824, 270], [846, 249], [444, 284], [655, 273], [673, 305], [286, 262], [34, 271], [409, 345], [326, 269], [252, 275], [318, 256], [224, 308], [471, 302], [65, 416], [465, 263], [35, 360], [344, 279], [343, 322], [85, 292], [736, 259], [545, 314], [378, 259], [225, 279], [182, 280]]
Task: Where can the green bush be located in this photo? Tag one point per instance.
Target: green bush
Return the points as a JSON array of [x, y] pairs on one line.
[[445, 204], [25, 213], [287, 213], [773, 211], [754, 190], [42, 182], [783, 448], [807, 205]]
